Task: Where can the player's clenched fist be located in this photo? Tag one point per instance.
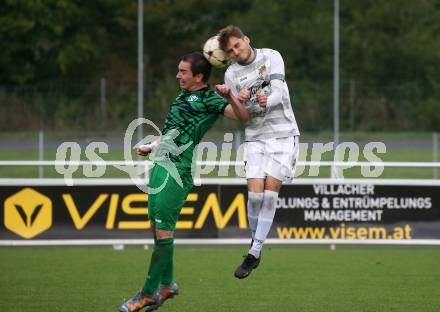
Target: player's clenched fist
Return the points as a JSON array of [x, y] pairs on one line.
[[262, 99], [223, 90], [244, 95], [143, 150]]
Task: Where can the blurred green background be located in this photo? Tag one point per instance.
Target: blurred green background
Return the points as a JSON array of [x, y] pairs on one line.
[[55, 53], [69, 69]]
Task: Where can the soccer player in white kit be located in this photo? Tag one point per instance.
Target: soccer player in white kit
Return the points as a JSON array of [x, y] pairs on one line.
[[256, 77]]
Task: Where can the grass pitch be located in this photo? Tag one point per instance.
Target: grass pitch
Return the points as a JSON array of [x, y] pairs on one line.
[[290, 278]]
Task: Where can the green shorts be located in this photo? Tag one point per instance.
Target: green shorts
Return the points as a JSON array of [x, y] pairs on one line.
[[166, 197]]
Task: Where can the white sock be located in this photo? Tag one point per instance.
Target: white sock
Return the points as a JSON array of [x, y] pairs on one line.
[[265, 219], [255, 200]]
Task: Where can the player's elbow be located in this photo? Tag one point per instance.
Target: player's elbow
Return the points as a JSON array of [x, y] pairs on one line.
[[244, 117]]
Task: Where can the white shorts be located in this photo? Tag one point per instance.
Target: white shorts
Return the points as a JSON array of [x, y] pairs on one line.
[[272, 157]]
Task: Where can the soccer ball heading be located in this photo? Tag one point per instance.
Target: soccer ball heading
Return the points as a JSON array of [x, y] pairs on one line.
[[213, 53]]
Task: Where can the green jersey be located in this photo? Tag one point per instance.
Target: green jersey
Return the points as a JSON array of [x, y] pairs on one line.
[[190, 116]]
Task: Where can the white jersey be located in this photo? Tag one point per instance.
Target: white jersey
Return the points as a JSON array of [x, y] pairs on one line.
[[276, 120]]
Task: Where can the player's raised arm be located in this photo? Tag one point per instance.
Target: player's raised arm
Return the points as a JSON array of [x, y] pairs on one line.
[[145, 149], [235, 109], [277, 81]]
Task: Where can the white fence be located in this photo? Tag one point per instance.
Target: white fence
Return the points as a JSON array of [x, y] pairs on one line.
[[334, 165]]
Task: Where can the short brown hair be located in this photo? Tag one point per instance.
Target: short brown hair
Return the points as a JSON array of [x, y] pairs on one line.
[[227, 32], [199, 64]]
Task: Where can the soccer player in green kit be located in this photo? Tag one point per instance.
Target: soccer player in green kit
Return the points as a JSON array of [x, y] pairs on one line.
[[193, 112]]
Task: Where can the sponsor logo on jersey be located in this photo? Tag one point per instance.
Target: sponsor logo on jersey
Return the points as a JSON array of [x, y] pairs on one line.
[[192, 98], [261, 70]]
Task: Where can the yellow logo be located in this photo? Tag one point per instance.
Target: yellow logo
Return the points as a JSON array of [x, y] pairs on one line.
[[261, 70], [28, 213]]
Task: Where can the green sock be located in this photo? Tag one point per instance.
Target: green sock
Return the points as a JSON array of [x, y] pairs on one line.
[[162, 253], [167, 276]]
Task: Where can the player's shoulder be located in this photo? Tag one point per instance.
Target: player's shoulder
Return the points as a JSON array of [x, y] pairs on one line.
[[270, 52], [232, 68], [209, 94]]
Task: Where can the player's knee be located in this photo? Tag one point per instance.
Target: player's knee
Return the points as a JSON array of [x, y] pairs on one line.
[[162, 234], [273, 184], [255, 200]]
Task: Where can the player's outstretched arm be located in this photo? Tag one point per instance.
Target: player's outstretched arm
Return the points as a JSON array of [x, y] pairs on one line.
[[230, 113], [145, 149], [235, 110]]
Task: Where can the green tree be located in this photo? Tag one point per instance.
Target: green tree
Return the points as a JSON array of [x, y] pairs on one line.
[[56, 39]]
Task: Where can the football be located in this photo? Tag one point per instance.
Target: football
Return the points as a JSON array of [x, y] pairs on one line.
[[213, 53]]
